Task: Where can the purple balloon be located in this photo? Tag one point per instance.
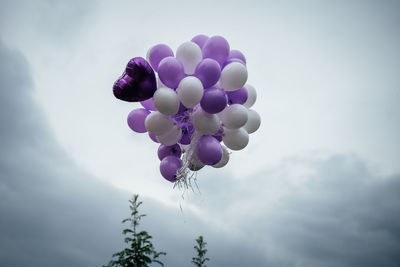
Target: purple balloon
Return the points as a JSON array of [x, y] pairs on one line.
[[174, 150], [216, 47], [136, 120], [218, 135], [169, 167], [135, 69], [158, 53], [214, 100], [182, 118], [182, 109], [187, 132], [148, 104], [208, 71], [171, 72], [200, 40], [209, 150], [237, 54], [138, 87], [153, 137], [230, 60], [238, 96], [185, 139]]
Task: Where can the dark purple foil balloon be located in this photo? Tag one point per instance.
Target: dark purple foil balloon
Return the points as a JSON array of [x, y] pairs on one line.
[[138, 83]]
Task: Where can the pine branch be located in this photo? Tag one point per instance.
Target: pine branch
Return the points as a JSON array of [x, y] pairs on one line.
[[141, 251], [200, 259]]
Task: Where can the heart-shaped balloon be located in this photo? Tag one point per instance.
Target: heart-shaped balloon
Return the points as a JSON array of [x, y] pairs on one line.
[[138, 83]]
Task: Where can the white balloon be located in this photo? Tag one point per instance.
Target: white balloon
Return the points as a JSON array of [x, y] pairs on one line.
[[194, 163], [253, 121], [251, 96], [233, 76], [189, 53], [234, 116], [171, 137], [157, 123], [159, 82], [148, 54], [204, 122], [166, 101], [235, 139], [224, 160], [190, 91]]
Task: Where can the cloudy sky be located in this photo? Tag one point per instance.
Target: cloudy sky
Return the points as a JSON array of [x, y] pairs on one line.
[[318, 185]]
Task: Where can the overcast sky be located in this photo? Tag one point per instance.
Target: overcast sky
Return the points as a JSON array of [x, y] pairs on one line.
[[318, 185]]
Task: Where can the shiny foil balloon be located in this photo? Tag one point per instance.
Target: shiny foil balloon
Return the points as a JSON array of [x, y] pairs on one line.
[[138, 82]]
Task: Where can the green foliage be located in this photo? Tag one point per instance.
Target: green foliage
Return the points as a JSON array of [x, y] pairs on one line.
[[200, 259], [140, 252]]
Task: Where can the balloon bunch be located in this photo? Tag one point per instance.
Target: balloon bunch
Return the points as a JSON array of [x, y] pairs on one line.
[[198, 100]]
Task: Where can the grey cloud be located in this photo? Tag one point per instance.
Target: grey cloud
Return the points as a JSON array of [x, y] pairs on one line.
[[346, 217], [345, 214], [49, 21], [49, 208]]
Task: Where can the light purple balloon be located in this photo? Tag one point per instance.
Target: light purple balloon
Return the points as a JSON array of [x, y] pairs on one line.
[[238, 96], [148, 104], [158, 53], [136, 120], [200, 40], [153, 137], [208, 71], [230, 60], [216, 47], [237, 54], [164, 151], [169, 167], [209, 150], [214, 100], [170, 71]]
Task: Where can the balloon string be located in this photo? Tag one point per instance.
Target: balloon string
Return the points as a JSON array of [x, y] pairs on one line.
[[186, 178]]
